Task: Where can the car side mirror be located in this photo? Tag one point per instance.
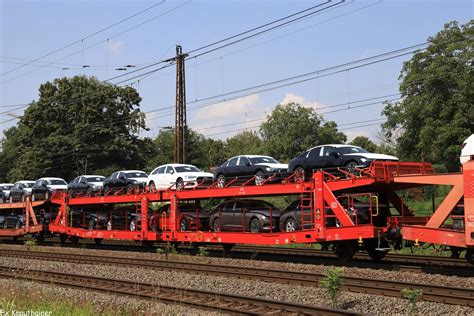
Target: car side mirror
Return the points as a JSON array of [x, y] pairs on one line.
[[171, 171], [334, 154], [122, 177], [248, 164]]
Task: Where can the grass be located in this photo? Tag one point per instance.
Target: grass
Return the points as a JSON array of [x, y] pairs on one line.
[[24, 299]]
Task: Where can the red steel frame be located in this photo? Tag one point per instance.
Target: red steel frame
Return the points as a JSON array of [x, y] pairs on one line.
[[31, 224], [432, 232], [384, 177]]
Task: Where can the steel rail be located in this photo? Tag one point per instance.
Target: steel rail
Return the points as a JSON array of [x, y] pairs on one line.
[[432, 293], [235, 304]]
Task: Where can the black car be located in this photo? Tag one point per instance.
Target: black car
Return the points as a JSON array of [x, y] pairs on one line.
[[333, 157], [127, 181], [86, 184], [20, 190], [187, 217], [248, 166], [245, 215], [44, 188], [11, 220]]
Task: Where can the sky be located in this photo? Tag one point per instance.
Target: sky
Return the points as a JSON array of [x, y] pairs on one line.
[[34, 33]]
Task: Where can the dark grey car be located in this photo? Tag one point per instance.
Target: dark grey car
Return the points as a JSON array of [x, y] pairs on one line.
[[245, 215]]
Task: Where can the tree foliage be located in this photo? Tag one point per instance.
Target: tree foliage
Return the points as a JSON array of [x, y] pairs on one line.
[[79, 125], [290, 129], [364, 142], [436, 113], [247, 142]]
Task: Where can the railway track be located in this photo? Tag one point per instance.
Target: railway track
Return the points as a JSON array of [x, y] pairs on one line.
[[208, 300], [440, 294]]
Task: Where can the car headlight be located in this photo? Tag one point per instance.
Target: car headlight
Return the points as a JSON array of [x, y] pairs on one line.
[[271, 169], [363, 159], [134, 181]]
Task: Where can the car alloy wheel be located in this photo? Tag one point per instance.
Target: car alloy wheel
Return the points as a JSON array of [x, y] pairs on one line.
[[183, 225], [215, 225], [179, 184], [91, 224], [133, 225], [290, 225], [130, 189], [221, 181], [299, 174], [255, 225], [259, 178], [88, 190], [351, 167], [11, 200], [152, 186]]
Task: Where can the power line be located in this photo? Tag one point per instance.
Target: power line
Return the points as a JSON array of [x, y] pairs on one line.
[[86, 37], [232, 37]]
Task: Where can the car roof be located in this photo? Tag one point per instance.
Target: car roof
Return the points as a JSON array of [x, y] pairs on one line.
[[251, 156], [131, 171], [176, 165], [6, 183], [335, 145], [25, 181], [91, 175], [50, 178]]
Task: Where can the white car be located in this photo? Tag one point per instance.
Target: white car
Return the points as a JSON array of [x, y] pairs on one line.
[[44, 187], [177, 176], [5, 188], [467, 150]]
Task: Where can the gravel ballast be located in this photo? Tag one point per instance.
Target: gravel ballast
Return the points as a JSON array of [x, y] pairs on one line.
[[307, 295]]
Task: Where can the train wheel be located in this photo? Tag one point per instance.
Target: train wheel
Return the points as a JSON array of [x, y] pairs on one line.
[[345, 250], [62, 238], [75, 240], [470, 256], [376, 255]]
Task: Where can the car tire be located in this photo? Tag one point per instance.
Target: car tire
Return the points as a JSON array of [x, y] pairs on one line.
[[179, 184], [215, 225], [11, 200], [152, 187], [130, 189], [221, 181], [33, 197], [91, 225], [133, 225], [259, 178], [299, 174], [290, 225], [109, 225], [351, 167], [183, 225], [255, 226]]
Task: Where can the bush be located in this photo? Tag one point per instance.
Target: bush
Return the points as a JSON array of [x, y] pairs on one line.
[[202, 251], [332, 284], [413, 296]]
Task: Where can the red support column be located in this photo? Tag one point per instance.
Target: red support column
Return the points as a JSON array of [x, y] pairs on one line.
[[144, 208]]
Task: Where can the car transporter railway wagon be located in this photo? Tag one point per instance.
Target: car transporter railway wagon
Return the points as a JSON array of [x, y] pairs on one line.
[[328, 212]]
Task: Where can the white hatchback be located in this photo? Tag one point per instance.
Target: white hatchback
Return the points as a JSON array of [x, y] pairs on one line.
[[177, 176]]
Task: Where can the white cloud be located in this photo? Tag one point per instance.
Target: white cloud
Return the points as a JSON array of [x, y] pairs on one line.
[[228, 109], [293, 98], [116, 47]]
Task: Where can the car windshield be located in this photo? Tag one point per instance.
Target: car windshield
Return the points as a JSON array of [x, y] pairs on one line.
[[257, 204], [187, 169], [262, 159], [351, 150], [28, 185], [6, 187], [136, 174], [95, 179], [56, 182]]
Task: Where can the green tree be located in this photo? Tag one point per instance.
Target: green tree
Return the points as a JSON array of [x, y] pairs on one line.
[[9, 152], [247, 142], [291, 129], [436, 112], [364, 142], [79, 125]]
